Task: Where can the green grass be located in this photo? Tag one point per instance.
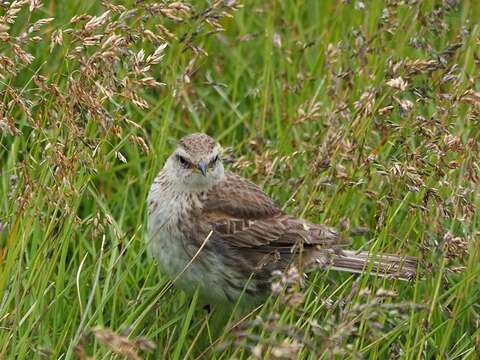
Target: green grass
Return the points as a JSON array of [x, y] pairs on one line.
[[299, 90]]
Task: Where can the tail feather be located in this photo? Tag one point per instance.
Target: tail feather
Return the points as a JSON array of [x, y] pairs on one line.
[[392, 266]]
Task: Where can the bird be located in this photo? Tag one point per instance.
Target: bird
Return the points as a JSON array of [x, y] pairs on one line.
[[218, 233]]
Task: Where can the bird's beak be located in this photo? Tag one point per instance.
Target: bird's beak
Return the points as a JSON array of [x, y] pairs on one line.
[[202, 167]]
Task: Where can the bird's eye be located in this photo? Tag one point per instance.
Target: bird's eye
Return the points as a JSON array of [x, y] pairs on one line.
[[183, 161], [215, 159]]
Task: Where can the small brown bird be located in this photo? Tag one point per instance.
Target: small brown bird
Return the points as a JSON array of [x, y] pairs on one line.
[[218, 232]]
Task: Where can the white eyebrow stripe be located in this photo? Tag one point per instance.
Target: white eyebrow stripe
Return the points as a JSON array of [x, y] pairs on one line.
[[183, 153]]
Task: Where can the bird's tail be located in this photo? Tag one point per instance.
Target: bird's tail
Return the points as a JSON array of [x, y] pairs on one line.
[[393, 266]]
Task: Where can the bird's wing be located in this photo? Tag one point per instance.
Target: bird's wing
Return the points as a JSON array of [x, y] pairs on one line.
[[245, 217]]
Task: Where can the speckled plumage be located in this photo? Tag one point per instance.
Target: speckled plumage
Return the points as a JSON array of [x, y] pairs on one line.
[[197, 143], [242, 234]]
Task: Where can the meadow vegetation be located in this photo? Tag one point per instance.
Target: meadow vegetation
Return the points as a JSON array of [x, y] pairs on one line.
[[364, 115]]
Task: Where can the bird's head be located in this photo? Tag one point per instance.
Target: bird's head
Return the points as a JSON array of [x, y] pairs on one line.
[[196, 162]]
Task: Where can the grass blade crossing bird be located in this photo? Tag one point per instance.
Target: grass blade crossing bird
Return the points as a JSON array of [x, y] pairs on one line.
[[215, 230]]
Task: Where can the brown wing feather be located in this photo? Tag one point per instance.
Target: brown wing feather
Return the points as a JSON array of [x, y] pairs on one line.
[[239, 198], [243, 215], [265, 239]]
